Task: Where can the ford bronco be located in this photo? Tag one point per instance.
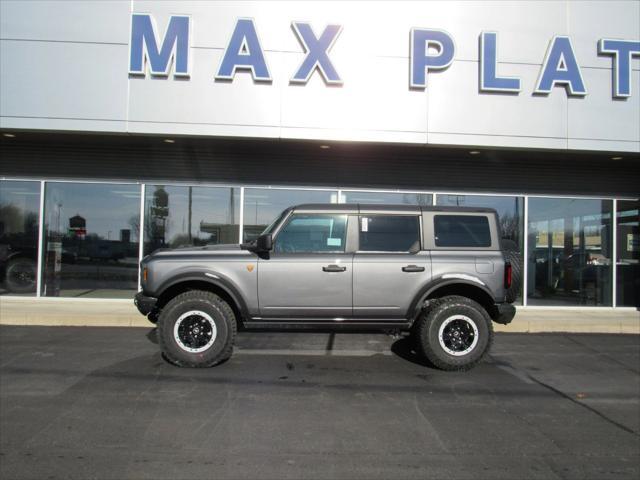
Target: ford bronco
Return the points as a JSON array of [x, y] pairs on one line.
[[441, 274]]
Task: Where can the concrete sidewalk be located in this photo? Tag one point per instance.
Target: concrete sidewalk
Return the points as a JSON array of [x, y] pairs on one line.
[[122, 313]]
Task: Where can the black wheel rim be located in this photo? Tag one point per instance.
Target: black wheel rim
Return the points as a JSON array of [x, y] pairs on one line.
[[458, 335], [195, 331]]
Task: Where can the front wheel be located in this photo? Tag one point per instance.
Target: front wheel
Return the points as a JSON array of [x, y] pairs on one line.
[[197, 329], [455, 333]]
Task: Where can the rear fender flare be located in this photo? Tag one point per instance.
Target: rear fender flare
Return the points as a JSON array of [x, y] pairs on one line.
[[443, 281]]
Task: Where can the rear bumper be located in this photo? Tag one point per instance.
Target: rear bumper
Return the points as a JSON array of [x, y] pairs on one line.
[[504, 313], [144, 304]]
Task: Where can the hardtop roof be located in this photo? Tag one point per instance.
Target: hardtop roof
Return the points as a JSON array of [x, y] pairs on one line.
[[374, 207]]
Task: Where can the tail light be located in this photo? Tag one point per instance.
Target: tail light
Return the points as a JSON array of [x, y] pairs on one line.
[[507, 275]]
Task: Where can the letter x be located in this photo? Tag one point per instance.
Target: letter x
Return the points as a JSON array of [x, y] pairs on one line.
[[317, 53]]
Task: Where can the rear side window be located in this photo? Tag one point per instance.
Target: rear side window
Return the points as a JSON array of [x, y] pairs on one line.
[[389, 233], [462, 231]]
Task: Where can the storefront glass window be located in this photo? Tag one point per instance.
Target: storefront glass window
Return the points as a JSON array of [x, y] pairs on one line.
[[182, 216], [510, 210], [628, 261], [263, 205], [391, 198], [19, 222], [91, 238], [569, 255]]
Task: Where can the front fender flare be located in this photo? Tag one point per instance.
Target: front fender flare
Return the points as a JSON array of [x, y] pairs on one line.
[[212, 278]]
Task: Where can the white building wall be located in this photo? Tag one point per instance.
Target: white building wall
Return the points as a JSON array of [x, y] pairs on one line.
[[64, 66]]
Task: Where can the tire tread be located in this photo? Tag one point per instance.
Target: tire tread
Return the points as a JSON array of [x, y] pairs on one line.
[[423, 324], [217, 303]]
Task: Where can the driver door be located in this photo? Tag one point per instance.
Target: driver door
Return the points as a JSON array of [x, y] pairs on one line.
[[309, 273]]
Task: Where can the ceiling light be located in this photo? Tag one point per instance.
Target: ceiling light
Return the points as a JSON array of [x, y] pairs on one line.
[[474, 152], [325, 147], [169, 140], [616, 158], [8, 135]]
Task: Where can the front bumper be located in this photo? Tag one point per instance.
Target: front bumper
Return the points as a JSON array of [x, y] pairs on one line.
[[144, 304], [504, 313]]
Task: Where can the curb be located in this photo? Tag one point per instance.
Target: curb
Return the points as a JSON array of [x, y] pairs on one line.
[[122, 313]]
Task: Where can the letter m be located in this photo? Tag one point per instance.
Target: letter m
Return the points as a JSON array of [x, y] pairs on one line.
[[144, 49]]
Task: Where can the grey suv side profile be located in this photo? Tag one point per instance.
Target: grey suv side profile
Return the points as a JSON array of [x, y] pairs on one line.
[[442, 274]]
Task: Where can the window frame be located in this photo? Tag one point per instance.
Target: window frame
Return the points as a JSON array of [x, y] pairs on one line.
[[378, 252]]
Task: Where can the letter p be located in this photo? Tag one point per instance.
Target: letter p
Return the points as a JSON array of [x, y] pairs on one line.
[[421, 61]]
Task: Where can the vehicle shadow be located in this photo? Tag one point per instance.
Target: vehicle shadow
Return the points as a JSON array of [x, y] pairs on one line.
[[405, 349]]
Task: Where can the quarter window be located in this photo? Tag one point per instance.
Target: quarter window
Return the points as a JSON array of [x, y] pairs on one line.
[[312, 233], [389, 233], [462, 231]]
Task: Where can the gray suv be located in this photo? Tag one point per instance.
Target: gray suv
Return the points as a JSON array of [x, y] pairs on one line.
[[443, 274]]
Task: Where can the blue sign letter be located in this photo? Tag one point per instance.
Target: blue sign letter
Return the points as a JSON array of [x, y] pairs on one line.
[[560, 67], [316, 50], [622, 51], [144, 46], [489, 80], [421, 62], [245, 53]]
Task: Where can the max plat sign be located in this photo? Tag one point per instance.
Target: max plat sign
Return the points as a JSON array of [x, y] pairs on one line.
[[430, 50]]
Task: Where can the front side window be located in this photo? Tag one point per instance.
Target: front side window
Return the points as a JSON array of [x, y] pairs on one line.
[[462, 231], [313, 233], [389, 233]]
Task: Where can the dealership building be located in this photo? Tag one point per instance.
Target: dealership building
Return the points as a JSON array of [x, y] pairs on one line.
[[128, 126]]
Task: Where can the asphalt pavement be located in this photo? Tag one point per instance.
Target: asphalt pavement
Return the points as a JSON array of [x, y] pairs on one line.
[[80, 402]]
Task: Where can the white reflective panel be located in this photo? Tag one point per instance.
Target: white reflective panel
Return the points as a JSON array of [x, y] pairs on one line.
[[97, 21], [598, 117], [456, 108], [49, 79]]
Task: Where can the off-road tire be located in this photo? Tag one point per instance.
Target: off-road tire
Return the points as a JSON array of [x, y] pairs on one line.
[[427, 328], [219, 311], [513, 256]]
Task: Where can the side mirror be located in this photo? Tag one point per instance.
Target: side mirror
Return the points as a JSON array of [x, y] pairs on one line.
[[264, 243]]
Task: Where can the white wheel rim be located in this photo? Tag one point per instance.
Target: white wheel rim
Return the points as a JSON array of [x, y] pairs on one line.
[[196, 326], [450, 337]]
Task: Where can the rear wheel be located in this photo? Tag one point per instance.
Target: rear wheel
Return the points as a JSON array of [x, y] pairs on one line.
[[197, 329], [455, 333]]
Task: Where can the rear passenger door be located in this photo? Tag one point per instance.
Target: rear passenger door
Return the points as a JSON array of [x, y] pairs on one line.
[[390, 265]]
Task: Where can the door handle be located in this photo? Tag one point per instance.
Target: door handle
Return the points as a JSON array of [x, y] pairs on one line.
[[333, 268], [412, 268]]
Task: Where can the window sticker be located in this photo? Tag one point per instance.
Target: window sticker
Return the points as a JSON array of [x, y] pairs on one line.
[[365, 224], [334, 242]]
